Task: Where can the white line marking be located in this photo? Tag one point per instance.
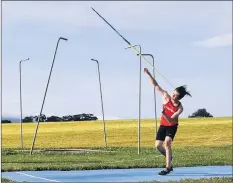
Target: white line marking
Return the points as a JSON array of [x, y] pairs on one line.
[[38, 177]]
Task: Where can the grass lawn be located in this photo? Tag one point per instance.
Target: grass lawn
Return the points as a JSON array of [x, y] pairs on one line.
[[6, 180], [119, 158], [120, 133], [226, 179], [198, 142]]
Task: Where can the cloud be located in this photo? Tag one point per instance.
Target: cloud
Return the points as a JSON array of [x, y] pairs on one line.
[[128, 15], [217, 41]]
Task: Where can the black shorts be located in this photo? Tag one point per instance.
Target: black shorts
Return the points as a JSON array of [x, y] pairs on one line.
[[166, 131]]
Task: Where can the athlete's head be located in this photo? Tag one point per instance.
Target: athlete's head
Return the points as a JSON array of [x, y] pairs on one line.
[[179, 93]]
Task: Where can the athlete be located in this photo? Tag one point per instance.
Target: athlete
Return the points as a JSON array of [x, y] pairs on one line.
[[172, 108]]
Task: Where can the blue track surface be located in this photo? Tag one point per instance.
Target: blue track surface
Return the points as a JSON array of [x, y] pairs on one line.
[[119, 175]]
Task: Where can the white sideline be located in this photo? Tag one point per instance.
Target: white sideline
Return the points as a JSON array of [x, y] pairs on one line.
[[38, 177]]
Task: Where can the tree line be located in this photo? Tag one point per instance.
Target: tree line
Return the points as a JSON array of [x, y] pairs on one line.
[[44, 118], [90, 117], [200, 113]]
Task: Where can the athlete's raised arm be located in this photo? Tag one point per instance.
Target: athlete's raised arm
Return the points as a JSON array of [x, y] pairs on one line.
[[164, 93]]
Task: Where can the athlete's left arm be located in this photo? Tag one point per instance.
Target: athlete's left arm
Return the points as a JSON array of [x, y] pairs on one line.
[[175, 115]]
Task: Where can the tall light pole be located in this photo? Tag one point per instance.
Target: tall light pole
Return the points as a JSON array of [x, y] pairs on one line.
[[139, 107], [154, 92], [38, 121], [21, 108], [102, 105]]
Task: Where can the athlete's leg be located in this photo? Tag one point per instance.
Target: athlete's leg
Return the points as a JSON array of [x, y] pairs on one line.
[[170, 135], [159, 147], [160, 137], [167, 144]]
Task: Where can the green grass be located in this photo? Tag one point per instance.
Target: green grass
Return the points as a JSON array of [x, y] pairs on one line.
[[117, 158], [120, 133], [199, 142], [224, 179], [6, 180]]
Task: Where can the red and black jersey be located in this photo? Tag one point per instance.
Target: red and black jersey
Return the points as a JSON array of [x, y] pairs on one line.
[[169, 109]]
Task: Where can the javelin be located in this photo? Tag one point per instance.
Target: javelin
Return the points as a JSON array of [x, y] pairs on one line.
[[134, 49]]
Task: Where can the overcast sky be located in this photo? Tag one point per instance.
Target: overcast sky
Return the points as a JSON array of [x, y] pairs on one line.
[[191, 43]]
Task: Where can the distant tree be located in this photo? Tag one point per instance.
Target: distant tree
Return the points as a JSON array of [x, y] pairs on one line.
[[79, 117], [28, 119], [76, 117], [87, 117], [64, 118], [6, 121], [67, 118], [91, 117], [42, 118], [200, 113], [53, 119]]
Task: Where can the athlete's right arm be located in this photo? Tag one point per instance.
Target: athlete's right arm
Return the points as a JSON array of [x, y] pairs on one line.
[[156, 85]]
